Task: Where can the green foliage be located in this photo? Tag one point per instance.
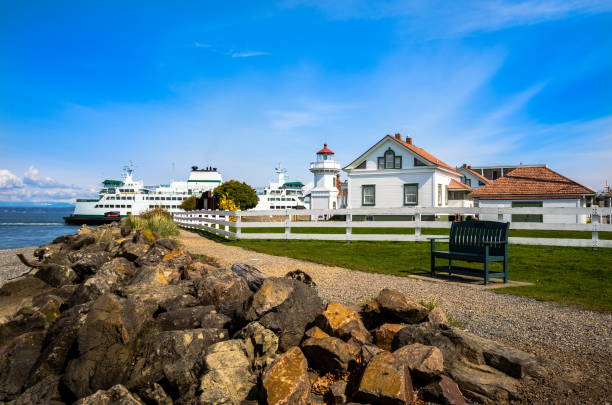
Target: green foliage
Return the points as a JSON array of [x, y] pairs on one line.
[[189, 204], [241, 194], [156, 212], [429, 303]]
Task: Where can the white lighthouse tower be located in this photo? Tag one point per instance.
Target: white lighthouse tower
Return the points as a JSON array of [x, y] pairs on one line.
[[324, 195]]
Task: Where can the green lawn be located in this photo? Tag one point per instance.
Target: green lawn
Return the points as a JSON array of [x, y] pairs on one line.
[[572, 276]]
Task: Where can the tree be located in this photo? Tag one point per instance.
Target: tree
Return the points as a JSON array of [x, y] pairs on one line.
[[189, 204], [243, 195]]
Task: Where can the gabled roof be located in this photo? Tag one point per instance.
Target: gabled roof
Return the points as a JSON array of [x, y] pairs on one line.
[[455, 185], [475, 173], [529, 182], [422, 153]]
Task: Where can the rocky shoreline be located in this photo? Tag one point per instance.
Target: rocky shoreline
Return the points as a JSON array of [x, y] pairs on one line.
[[111, 316]]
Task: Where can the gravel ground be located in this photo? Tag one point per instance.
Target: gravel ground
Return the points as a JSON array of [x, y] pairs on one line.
[[576, 344], [10, 266]]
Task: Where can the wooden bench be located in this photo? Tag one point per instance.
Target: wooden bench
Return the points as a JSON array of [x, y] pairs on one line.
[[474, 241]]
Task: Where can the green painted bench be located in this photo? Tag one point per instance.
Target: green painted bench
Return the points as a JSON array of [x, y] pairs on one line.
[[474, 241]]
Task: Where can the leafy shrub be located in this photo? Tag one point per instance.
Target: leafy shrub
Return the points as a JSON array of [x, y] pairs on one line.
[[189, 204], [243, 195], [156, 220]]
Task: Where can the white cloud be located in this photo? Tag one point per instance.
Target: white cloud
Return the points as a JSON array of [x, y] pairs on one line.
[[9, 181], [248, 54], [32, 187]]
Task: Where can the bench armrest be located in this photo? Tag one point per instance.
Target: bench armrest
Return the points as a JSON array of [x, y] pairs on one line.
[[438, 238]]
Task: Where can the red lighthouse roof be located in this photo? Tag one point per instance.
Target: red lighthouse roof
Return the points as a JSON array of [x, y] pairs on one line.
[[325, 150]]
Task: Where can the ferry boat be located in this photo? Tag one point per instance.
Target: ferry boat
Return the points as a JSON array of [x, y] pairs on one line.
[[119, 198], [281, 195]]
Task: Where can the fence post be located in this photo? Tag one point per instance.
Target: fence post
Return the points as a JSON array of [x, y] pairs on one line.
[[595, 221], [349, 229], [226, 227], [287, 224], [238, 225], [417, 227]]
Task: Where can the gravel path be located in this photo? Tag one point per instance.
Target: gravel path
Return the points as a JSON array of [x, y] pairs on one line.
[[10, 266], [578, 343]]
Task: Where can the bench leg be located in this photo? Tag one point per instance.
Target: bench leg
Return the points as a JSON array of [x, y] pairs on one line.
[[450, 266], [486, 272], [433, 265], [505, 269]]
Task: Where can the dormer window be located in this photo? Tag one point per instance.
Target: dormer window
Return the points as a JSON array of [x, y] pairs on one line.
[[389, 160]]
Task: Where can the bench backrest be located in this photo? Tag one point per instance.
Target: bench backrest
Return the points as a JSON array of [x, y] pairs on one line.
[[469, 236]]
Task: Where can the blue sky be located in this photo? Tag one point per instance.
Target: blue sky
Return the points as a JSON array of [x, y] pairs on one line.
[[86, 87]]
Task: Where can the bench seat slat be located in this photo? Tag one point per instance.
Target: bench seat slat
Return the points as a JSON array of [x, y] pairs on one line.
[[469, 257]]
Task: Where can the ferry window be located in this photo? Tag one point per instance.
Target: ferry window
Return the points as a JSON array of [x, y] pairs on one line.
[[156, 198], [129, 206], [122, 205]]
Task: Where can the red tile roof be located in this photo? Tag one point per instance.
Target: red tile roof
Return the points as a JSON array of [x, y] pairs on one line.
[[531, 182], [423, 153], [325, 150], [475, 173], [455, 185]]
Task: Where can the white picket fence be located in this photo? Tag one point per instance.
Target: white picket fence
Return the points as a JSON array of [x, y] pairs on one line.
[[218, 222]]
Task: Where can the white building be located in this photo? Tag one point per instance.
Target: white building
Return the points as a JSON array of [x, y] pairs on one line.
[[534, 186], [471, 177], [325, 193], [394, 173]]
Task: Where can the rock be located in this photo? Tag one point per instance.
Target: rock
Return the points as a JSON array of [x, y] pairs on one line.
[[368, 352], [166, 243], [251, 275], [45, 392], [155, 395], [385, 381], [228, 376], [16, 360], [299, 275], [337, 393], [285, 307], [484, 384], [385, 334], [38, 316], [372, 316], [437, 316], [153, 257], [343, 322], [443, 391], [184, 318], [105, 345], [90, 263], [116, 395], [177, 258], [18, 294], [216, 321], [150, 275], [399, 305], [286, 380], [57, 275], [221, 287], [177, 302], [261, 345], [424, 362], [315, 332], [133, 251], [329, 354], [60, 339], [176, 357]]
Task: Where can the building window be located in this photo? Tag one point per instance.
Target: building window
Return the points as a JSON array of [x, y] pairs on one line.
[[457, 195], [440, 196], [527, 217], [389, 160], [417, 162], [481, 183], [398, 162], [468, 181], [381, 163], [368, 194], [411, 194]]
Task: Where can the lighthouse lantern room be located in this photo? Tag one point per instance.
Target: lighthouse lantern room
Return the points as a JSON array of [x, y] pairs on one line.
[[325, 193]]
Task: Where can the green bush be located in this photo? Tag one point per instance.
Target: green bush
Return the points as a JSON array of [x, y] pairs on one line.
[[189, 204], [155, 212], [240, 193], [156, 220]]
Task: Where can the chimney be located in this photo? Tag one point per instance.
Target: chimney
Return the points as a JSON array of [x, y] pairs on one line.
[[464, 165], [408, 140], [398, 136]]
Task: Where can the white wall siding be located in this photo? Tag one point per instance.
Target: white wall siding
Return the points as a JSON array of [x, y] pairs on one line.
[[549, 219], [390, 187]]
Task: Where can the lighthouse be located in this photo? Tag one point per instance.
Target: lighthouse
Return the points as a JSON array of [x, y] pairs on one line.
[[324, 195]]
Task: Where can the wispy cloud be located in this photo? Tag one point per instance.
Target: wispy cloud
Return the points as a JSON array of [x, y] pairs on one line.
[[32, 187], [248, 54], [201, 45], [230, 53]]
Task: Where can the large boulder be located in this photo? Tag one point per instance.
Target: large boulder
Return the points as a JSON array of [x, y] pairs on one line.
[[116, 395], [443, 391], [105, 345], [89, 263], [228, 377], [185, 318], [175, 357], [17, 358], [343, 322], [57, 275], [251, 274], [221, 287], [286, 307], [107, 279], [44, 392], [385, 381], [385, 333], [397, 304], [286, 380], [261, 345], [424, 362], [330, 354], [132, 251], [38, 316]]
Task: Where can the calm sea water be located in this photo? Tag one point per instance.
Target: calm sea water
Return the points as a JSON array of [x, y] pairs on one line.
[[32, 226]]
